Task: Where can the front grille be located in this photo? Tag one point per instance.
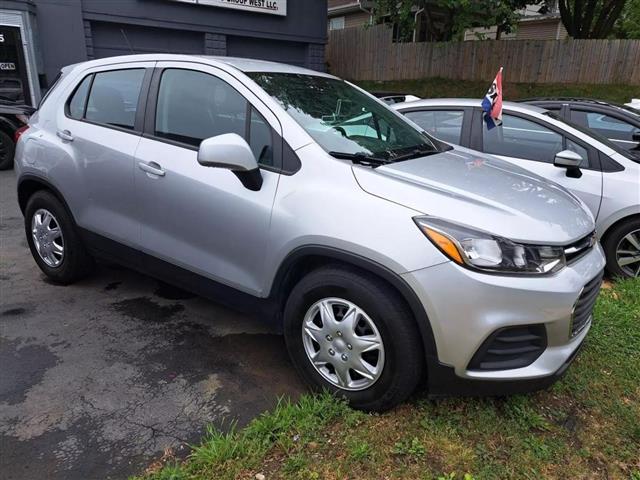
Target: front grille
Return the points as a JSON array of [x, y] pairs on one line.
[[583, 307], [510, 347]]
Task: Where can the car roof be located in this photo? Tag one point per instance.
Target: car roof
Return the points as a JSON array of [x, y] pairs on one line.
[[245, 65], [567, 99], [465, 102], [578, 100]]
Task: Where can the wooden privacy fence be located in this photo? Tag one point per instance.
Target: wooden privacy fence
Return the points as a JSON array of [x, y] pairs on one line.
[[370, 54]]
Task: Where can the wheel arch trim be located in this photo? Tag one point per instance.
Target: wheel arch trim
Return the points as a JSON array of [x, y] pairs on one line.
[[46, 185], [300, 254], [620, 217]]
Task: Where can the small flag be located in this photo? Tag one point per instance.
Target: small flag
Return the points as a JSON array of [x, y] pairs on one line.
[[492, 103]]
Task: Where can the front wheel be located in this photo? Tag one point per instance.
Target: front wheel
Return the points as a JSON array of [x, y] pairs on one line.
[[350, 333], [622, 249]]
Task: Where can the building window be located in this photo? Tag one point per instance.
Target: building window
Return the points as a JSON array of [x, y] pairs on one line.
[[336, 23]]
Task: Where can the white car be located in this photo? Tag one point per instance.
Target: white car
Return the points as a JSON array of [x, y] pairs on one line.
[[634, 103], [603, 175]]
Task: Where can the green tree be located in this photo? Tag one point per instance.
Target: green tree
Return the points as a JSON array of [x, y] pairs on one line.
[[628, 25], [448, 19], [590, 18]]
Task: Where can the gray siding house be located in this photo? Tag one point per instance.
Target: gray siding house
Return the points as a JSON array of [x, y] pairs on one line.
[[38, 37]]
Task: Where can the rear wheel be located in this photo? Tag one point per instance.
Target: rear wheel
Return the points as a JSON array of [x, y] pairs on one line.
[[7, 150], [622, 249], [55, 245], [350, 333]]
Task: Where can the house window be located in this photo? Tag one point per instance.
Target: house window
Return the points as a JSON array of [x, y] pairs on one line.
[[336, 23]]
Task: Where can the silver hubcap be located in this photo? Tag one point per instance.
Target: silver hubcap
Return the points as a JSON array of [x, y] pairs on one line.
[[47, 237], [343, 344], [628, 253]]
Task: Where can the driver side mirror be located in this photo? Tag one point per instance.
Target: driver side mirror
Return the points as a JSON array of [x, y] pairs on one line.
[[231, 152], [571, 161]]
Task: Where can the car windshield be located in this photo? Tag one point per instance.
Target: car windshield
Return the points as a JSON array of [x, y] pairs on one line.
[[344, 121], [632, 155]]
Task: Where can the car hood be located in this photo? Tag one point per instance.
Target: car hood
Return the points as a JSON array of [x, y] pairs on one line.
[[483, 192]]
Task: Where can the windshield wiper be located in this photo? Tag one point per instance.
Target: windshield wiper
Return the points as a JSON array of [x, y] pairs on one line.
[[361, 158], [415, 153]]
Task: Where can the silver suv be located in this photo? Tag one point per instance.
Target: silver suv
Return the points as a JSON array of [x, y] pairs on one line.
[[387, 257]]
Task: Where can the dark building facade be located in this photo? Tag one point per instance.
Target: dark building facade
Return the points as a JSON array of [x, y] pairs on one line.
[[38, 37]]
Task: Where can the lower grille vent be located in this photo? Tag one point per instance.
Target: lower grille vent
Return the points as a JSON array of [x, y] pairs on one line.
[[510, 347], [584, 305]]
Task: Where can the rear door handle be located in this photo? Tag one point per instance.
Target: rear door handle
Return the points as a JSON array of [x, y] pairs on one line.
[[65, 135], [152, 168]]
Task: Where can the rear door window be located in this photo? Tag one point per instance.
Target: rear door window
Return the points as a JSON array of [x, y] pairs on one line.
[[611, 127], [114, 97], [445, 125]]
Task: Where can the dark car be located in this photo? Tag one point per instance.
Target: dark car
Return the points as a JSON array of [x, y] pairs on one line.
[[13, 119], [619, 123], [11, 89]]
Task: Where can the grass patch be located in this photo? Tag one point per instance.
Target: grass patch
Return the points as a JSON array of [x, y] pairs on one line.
[[447, 88], [586, 426]]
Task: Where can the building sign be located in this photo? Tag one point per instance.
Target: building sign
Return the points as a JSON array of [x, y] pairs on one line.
[[274, 7]]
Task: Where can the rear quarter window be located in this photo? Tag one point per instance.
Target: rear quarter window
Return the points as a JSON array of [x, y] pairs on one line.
[[78, 100]]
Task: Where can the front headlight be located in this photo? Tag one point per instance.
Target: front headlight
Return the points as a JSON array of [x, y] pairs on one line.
[[483, 251]]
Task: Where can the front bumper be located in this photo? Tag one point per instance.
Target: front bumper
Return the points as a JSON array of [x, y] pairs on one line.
[[465, 307]]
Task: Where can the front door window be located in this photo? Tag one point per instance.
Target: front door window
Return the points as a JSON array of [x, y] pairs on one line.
[[521, 138], [194, 105]]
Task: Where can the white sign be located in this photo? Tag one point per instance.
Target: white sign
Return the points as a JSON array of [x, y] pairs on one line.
[[274, 7], [7, 66]]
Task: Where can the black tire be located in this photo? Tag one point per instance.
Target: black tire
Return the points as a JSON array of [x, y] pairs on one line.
[[611, 241], [76, 262], [404, 357], [7, 150]]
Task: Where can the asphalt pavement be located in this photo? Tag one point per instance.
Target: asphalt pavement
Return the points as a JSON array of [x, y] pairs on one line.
[[97, 379]]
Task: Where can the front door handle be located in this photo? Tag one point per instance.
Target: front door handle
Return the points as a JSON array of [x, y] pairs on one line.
[[152, 168], [65, 135]]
